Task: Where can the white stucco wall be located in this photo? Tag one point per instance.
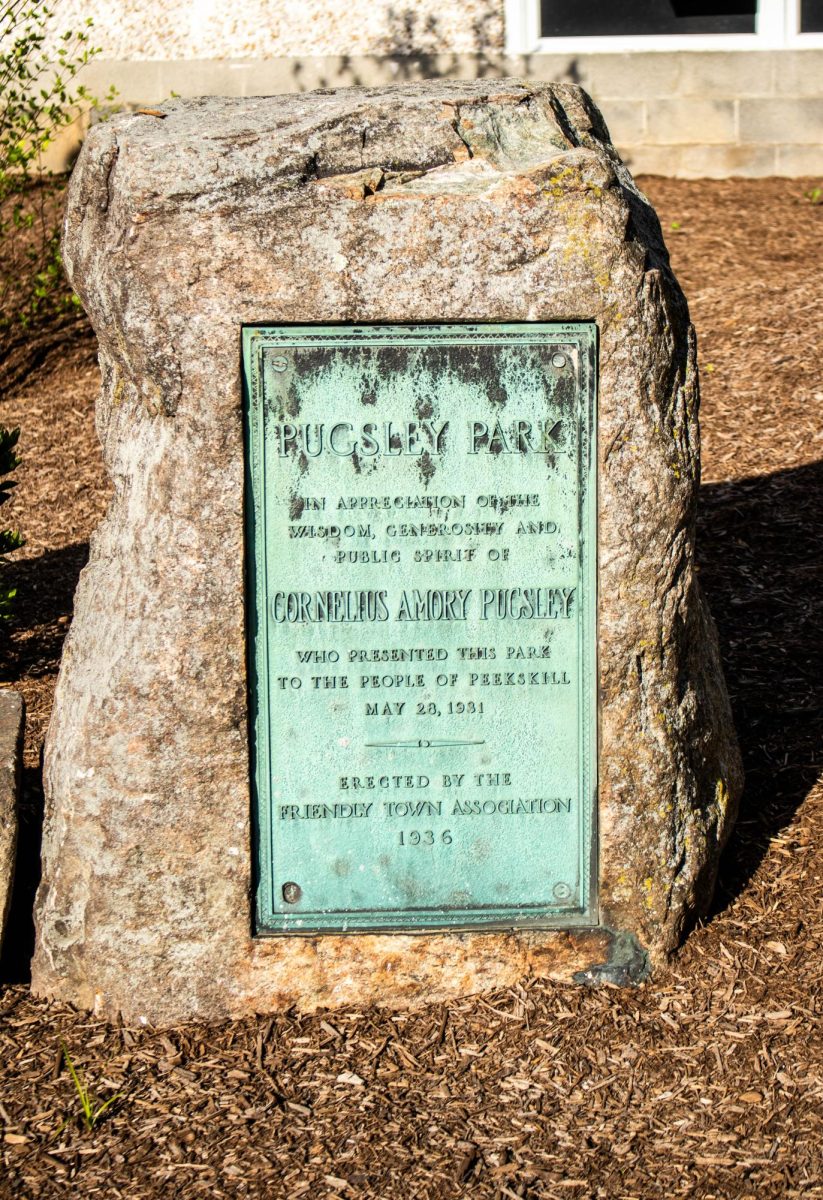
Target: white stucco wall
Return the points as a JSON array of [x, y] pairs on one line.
[[202, 29]]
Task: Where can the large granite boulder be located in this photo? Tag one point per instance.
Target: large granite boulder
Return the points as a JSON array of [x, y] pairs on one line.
[[438, 202]]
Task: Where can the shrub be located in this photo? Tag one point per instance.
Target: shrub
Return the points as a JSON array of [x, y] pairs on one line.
[[38, 98], [9, 539]]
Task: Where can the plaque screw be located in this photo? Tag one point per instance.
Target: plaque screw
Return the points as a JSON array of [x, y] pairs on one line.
[[292, 892], [562, 891], [558, 360], [279, 362]]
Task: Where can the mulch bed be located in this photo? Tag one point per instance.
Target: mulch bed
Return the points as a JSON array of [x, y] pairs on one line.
[[708, 1081]]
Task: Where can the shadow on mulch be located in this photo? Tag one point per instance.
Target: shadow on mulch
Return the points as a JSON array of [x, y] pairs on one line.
[[45, 594], [18, 944], [43, 606], [762, 570], [24, 351]]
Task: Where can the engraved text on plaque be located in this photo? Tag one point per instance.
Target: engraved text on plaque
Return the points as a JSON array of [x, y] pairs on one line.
[[422, 599]]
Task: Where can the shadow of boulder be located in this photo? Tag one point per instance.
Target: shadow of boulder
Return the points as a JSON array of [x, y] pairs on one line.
[[759, 552]]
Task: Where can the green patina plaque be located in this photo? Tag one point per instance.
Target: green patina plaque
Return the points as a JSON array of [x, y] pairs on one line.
[[422, 622]]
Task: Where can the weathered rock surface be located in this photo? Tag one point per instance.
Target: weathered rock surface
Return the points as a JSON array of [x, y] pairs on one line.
[[11, 745], [447, 201]]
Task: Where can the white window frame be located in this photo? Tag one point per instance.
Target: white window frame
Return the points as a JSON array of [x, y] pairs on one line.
[[777, 27]]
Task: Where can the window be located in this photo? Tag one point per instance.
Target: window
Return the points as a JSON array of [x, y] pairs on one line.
[[811, 16], [592, 18], [592, 26]]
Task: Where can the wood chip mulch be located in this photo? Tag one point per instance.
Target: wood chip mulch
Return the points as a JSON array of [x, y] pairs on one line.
[[707, 1082]]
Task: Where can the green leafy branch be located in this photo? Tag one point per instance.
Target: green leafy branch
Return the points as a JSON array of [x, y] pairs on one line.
[[36, 99], [10, 539], [39, 97]]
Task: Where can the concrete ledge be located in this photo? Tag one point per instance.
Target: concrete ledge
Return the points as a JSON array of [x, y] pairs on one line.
[[740, 107], [643, 75], [687, 122], [783, 120], [707, 162], [799, 73], [627, 122], [799, 160]]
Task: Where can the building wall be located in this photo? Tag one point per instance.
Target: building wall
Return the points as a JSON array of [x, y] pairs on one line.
[[214, 29], [683, 113]]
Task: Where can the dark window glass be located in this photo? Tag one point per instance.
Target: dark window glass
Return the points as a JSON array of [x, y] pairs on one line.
[[811, 16], [590, 18]]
